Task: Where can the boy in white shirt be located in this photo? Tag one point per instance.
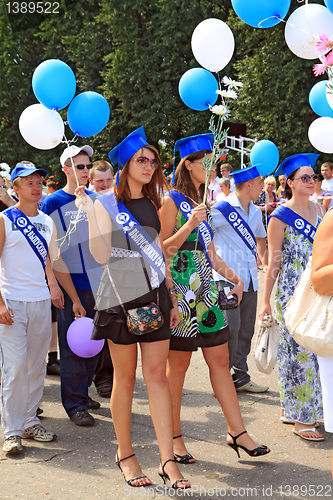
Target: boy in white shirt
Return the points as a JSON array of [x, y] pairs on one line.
[[25, 308]]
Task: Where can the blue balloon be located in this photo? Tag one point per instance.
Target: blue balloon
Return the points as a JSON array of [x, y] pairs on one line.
[[318, 100], [88, 114], [329, 5], [265, 156], [261, 13], [54, 84], [197, 89]]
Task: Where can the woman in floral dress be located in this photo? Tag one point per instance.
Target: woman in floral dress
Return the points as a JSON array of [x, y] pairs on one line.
[[289, 252]]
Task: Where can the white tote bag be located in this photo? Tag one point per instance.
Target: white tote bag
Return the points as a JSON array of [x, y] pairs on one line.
[[266, 345], [309, 317]]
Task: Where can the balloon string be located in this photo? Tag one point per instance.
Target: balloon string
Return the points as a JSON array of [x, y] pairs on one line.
[[72, 225], [290, 24]]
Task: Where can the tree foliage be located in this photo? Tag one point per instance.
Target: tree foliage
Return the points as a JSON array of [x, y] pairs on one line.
[[134, 53]]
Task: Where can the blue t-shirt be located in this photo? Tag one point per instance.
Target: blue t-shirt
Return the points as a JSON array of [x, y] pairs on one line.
[[85, 271]]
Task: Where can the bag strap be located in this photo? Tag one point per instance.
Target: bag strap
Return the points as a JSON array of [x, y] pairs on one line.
[[117, 293]]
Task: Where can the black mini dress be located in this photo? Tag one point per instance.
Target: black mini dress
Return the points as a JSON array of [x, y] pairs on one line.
[[126, 269]]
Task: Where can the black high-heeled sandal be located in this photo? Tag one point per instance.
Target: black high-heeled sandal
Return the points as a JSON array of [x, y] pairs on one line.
[[256, 452], [163, 475], [130, 481], [183, 459]]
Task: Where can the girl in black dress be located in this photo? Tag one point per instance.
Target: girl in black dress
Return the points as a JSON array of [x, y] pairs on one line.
[[140, 189]]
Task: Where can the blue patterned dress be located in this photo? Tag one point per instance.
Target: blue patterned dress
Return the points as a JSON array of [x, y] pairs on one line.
[[299, 383]]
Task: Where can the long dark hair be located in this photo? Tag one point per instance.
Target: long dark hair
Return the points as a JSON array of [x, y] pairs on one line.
[[288, 192], [183, 181], [154, 190]]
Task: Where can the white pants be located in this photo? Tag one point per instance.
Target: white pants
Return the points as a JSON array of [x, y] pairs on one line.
[[23, 349], [326, 378]]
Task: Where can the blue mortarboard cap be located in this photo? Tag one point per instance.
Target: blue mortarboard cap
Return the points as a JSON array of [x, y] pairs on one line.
[[25, 169], [294, 162], [192, 144], [128, 147], [245, 174]]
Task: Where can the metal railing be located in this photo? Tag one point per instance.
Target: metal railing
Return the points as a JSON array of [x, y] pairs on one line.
[[238, 144]]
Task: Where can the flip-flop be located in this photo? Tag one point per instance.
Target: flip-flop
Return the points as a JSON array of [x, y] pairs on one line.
[[285, 420], [309, 429]]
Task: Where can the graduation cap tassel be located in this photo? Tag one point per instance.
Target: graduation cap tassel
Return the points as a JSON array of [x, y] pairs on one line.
[[117, 178], [173, 174]]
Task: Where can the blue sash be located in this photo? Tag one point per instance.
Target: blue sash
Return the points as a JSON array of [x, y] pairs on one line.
[[135, 233], [33, 237], [294, 220], [205, 232], [237, 222]]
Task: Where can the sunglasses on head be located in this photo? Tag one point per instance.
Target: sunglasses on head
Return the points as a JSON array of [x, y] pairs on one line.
[[81, 166], [307, 178]]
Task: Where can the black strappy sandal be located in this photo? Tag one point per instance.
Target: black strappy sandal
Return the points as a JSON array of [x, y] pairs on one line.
[[256, 452], [163, 475], [130, 481], [183, 459]]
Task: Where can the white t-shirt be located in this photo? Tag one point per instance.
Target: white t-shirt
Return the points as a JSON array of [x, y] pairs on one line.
[[22, 274], [327, 185], [223, 197]]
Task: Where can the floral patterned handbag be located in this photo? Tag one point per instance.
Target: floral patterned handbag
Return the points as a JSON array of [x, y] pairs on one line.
[[144, 319]]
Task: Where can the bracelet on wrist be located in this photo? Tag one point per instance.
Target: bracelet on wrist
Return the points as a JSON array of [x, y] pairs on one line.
[[172, 291]]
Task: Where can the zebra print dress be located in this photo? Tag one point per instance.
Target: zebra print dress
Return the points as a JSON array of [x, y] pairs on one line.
[[196, 291]]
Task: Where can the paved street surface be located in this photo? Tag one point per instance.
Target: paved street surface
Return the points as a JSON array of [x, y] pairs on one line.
[[80, 463]]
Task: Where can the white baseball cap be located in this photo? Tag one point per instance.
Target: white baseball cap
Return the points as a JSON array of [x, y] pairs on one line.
[[4, 167], [72, 151]]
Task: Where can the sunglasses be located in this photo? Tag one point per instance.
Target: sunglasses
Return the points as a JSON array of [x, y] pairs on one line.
[[143, 161], [306, 178], [81, 166]]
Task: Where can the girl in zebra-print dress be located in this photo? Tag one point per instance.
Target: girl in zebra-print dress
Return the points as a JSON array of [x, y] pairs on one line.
[[202, 322]]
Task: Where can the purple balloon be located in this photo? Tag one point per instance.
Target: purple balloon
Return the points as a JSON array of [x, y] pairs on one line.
[[79, 338]]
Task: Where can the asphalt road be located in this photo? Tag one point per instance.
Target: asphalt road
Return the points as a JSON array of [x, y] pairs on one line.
[[80, 463]]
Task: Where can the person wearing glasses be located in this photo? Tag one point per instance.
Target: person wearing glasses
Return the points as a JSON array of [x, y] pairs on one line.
[[133, 277], [76, 373], [184, 218], [291, 230]]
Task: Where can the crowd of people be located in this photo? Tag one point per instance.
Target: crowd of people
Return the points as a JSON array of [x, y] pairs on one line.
[[157, 268]]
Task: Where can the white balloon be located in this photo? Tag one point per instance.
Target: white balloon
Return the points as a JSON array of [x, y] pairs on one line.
[[329, 97], [41, 127], [213, 44], [321, 134], [304, 27]]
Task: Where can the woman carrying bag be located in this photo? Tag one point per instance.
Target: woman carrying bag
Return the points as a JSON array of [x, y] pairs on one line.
[[133, 281], [291, 230], [322, 281]]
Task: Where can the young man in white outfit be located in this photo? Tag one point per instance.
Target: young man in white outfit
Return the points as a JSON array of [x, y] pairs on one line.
[[25, 308]]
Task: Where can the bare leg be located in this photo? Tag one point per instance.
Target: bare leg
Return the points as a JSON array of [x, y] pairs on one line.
[[154, 358], [177, 365], [54, 339], [217, 359], [124, 359]]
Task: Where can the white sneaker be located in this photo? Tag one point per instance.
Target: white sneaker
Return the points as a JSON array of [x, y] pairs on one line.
[[38, 433], [12, 444], [252, 387]]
